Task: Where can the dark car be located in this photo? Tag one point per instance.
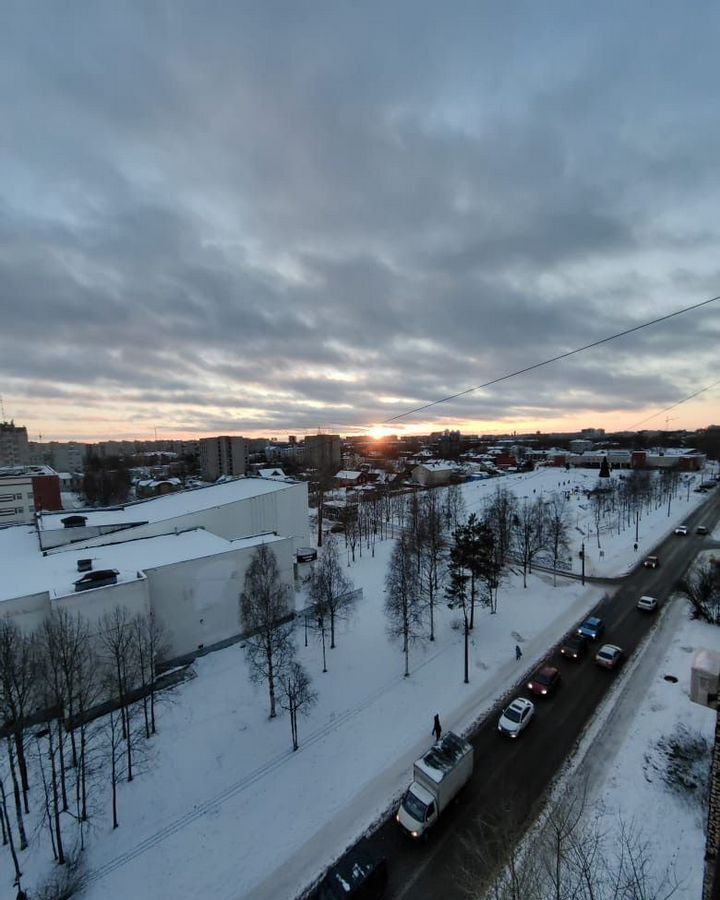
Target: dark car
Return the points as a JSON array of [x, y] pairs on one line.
[[651, 562], [544, 681], [701, 529], [359, 875], [574, 646], [591, 628]]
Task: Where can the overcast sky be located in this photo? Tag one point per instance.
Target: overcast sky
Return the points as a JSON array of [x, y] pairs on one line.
[[268, 217]]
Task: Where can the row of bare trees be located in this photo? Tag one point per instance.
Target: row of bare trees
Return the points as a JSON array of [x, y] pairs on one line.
[[76, 702], [570, 854], [441, 555]]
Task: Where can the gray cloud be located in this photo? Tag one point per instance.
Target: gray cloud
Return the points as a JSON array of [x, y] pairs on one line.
[[272, 217]]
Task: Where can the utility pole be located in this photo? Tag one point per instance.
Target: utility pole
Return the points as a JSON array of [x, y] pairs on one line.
[[582, 559], [637, 523]]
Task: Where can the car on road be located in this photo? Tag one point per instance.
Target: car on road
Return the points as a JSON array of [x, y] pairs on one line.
[[652, 562], [701, 529], [574, 646], [516, 717], [609, 656], [647, 604], [544, 681], [359, 875], [682, 529], [591, 628]]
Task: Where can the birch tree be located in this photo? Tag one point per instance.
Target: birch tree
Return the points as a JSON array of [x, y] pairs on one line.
[[403, 605], [264, 609]]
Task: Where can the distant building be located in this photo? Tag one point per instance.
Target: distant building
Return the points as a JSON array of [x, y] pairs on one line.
[[14, 450], [434, 473], [25, 490], [62, 456], [323, 451], [223, 456]]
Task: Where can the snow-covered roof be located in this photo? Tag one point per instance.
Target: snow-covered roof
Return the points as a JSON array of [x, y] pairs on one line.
[[347, 475], [443, 756], [30, 572], [170, 506], [439, 466], [271, 473]]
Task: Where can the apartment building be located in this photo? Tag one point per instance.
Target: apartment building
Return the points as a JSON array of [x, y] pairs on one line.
[[223, 455], [323, 451], [24, 490], [14, 450]]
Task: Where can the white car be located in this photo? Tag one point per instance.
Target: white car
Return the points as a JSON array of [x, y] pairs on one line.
[[648, 604], [609, 656], [681, 529], [516, 717]]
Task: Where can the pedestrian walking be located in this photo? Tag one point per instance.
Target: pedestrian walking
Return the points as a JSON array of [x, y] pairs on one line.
[[437, 727], [518, 652]]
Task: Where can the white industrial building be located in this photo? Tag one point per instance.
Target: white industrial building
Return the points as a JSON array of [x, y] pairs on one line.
[[182, 556]]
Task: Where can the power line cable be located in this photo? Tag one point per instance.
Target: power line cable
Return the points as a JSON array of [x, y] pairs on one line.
[[547, 362], [679, 403]]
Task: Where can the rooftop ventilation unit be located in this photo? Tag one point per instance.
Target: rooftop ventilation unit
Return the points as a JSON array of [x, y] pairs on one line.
[[84, 565]]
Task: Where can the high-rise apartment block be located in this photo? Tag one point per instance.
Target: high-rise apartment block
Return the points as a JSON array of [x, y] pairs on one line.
[[223, 456], [323, 451], [14, 449]]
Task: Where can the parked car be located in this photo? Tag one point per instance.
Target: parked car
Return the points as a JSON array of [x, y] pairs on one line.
[[701, 529], [647, 604], [681, 529], [516, 717], [574, 646], [359, 875], [652, 562], [544, 681], [609, 656], [591, 628]]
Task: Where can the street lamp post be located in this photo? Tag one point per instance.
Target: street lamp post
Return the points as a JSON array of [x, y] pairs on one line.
[[582, 560]]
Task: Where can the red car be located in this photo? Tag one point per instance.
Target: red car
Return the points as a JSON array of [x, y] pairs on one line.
[[544, 681]]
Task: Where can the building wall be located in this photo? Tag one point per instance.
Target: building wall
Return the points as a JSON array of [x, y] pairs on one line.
[[323, 451], [430, 477], [198, 601], [17, 502], [14, 449], [29, 612], [46, 489], [223, 456]]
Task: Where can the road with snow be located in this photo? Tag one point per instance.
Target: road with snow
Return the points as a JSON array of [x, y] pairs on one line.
[[521, 771]]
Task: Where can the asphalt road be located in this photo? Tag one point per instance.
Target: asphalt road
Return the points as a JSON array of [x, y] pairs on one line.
[[520, 770]]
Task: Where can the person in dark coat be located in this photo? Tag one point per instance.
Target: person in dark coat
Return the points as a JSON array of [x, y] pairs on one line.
[[518, 651], [437, 727]]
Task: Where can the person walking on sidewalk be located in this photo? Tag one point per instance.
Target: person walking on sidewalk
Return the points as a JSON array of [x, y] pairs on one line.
[[518, 652], [437, 727]]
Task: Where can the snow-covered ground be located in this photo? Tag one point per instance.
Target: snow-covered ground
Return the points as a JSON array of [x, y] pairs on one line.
[[226, 808]]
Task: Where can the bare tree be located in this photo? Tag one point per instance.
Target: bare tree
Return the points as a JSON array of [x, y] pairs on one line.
[[118, 647], [702, 589], [454, 507], [264, 610], [148, 637], [529, 536], [430, 545], [18, 670], [500, 516], [403, 606], [569, 856], [296, 696], [7, 831], [556, 522], [329, 589]]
